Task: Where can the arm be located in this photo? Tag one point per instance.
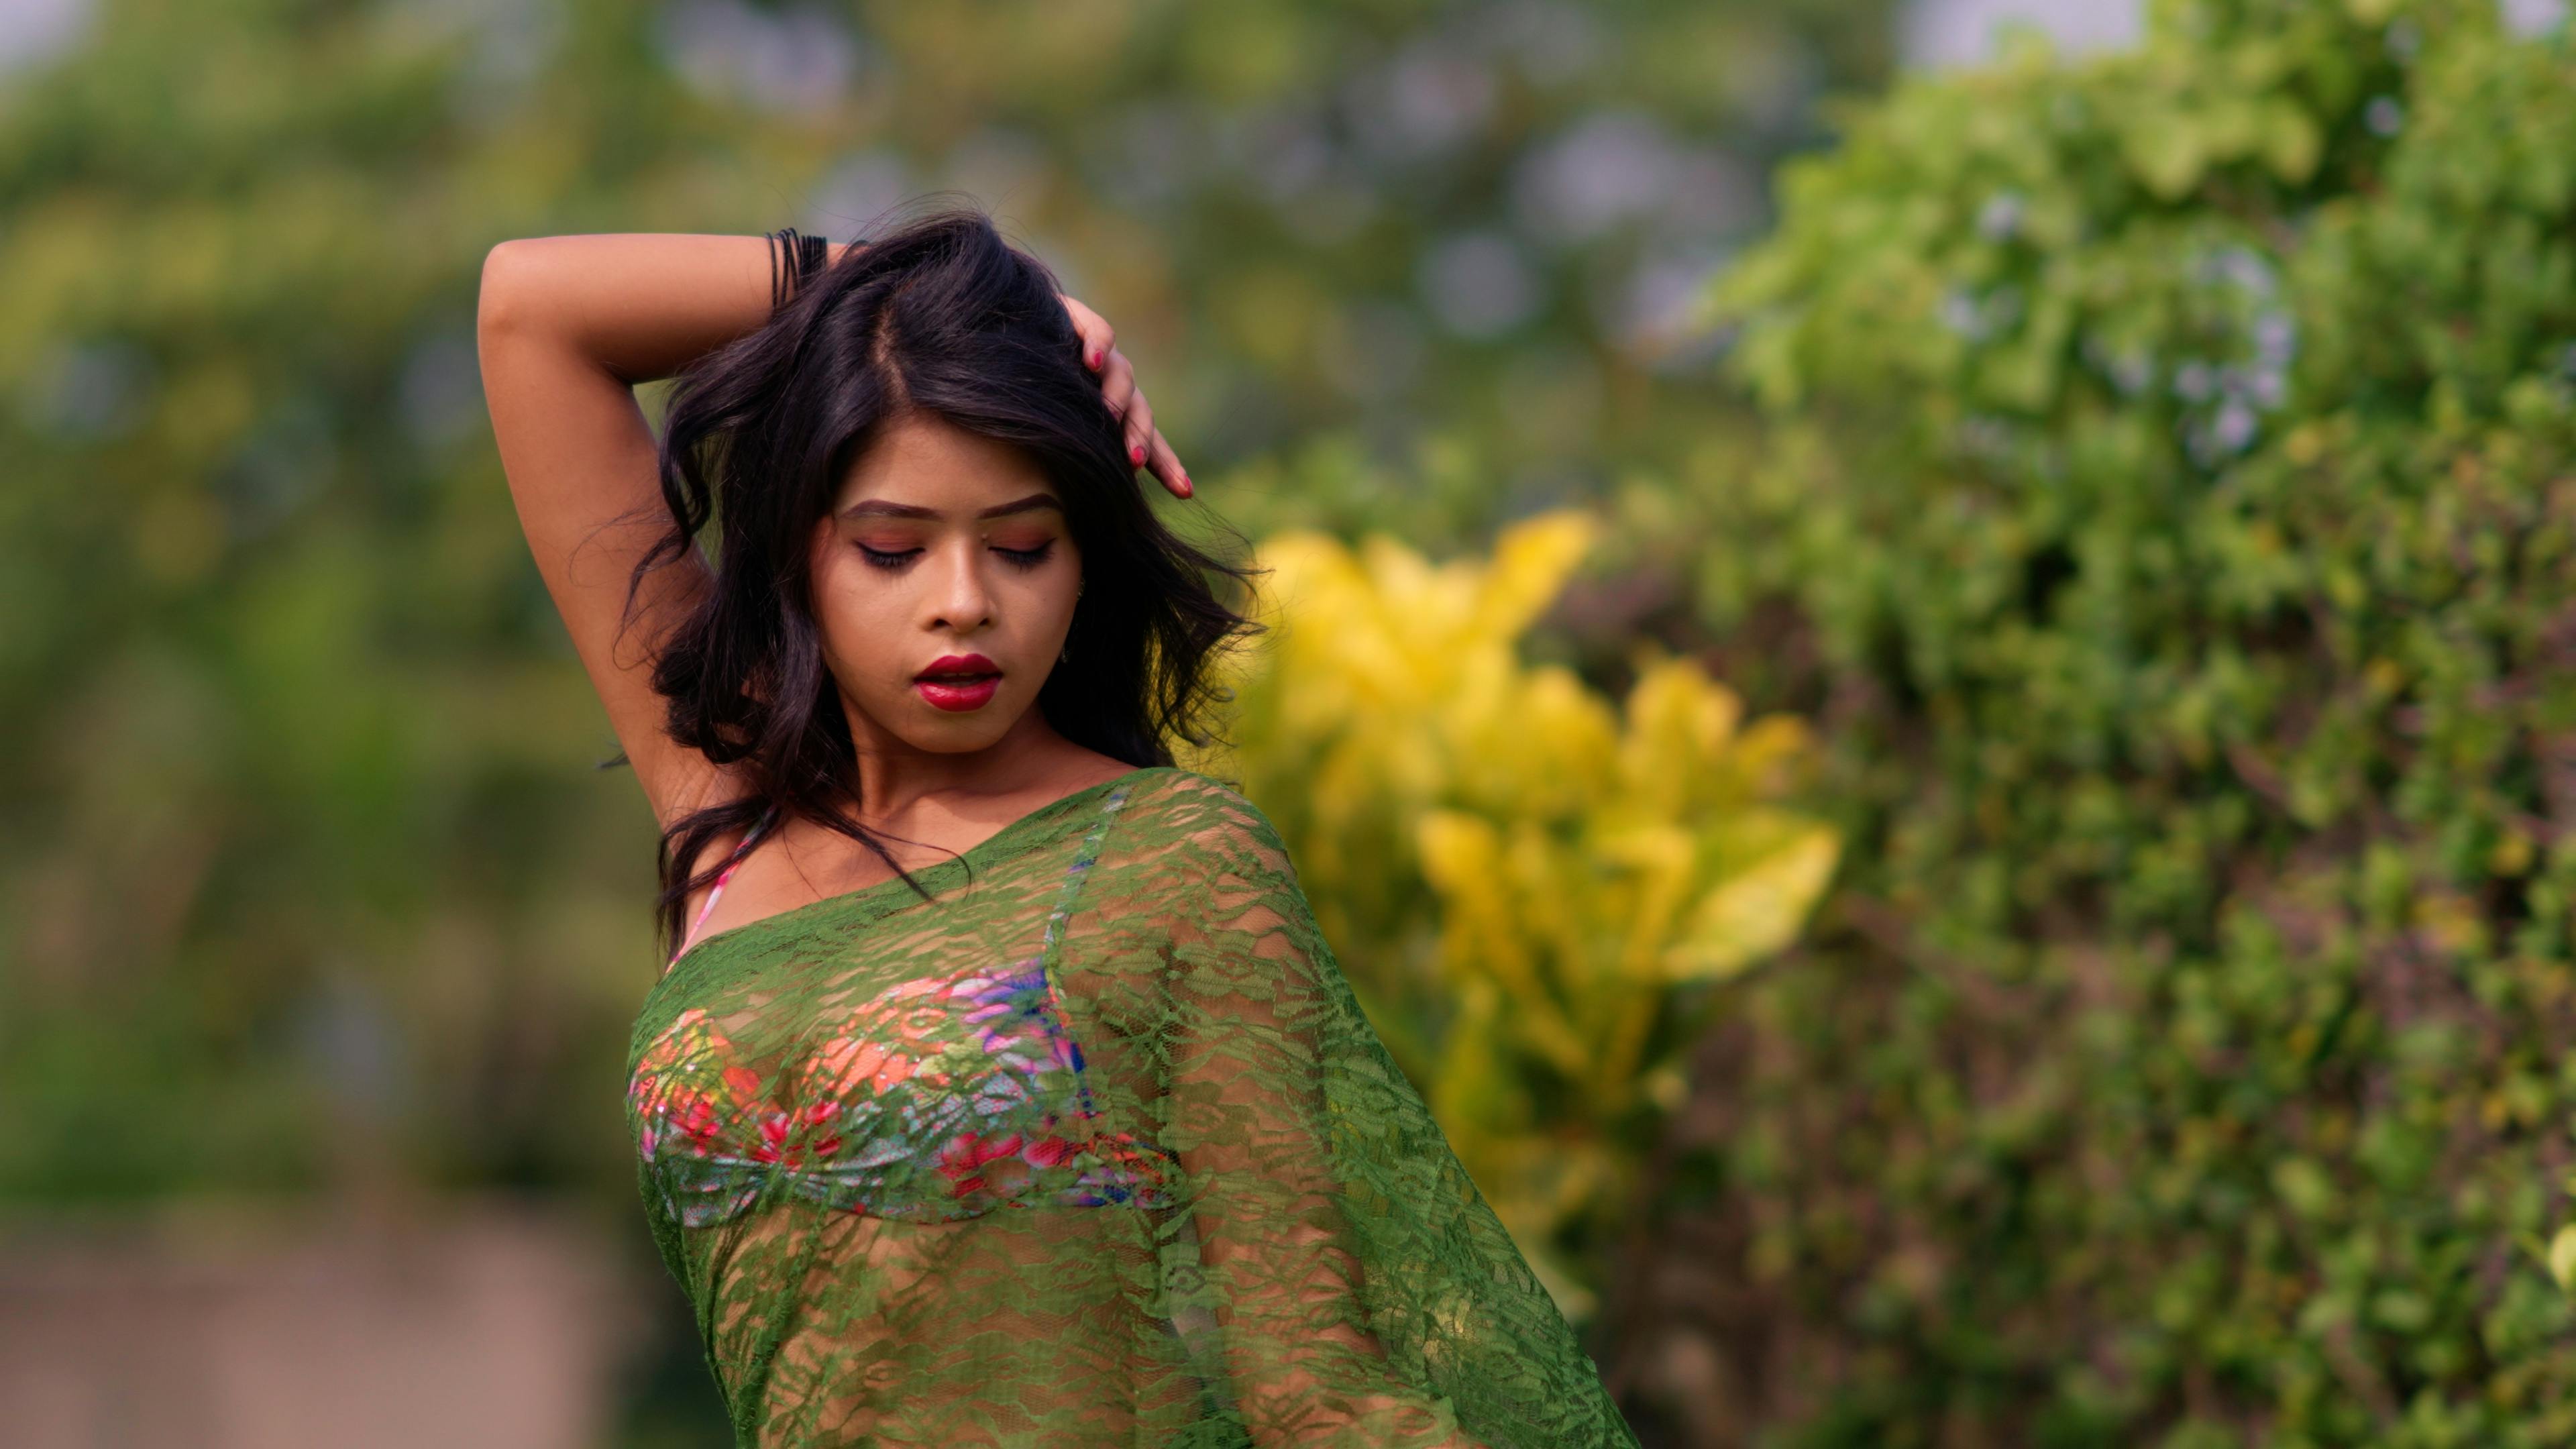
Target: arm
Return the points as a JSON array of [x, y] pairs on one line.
[[565, 327], [639, 306]]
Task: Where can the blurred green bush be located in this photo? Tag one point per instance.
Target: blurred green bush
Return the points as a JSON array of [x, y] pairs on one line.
[[2169, 519], [306, 879]]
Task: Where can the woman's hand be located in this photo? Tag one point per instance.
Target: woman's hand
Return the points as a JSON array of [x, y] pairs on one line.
[[1145, 445]]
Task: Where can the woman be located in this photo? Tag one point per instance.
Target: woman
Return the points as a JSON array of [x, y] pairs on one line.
[[1000, 1090]]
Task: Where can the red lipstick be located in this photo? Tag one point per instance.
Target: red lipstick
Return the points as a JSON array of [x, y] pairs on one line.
[[959, 682]]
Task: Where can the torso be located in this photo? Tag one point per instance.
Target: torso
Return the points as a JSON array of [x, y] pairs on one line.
[[999, 1167], [899, 1105]]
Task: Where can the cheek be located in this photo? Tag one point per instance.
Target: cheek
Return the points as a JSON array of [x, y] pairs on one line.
[[853, 606]]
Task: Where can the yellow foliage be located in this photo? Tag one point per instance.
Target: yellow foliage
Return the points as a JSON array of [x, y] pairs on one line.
[[1520, 875]]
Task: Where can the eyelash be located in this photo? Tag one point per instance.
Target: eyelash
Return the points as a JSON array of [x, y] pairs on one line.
[[1018, 558]]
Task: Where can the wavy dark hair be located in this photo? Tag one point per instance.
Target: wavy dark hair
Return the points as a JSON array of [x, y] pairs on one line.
[[937, 316]]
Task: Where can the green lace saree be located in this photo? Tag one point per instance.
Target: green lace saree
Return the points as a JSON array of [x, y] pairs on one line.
[[1094, 1148]]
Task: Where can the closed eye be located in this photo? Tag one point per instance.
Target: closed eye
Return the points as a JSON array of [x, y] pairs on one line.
[[1019, 558]]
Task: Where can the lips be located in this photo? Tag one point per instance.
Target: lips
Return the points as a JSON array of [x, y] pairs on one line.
[[959, 682]]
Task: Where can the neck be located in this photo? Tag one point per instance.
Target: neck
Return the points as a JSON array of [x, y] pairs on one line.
[[893, 776]]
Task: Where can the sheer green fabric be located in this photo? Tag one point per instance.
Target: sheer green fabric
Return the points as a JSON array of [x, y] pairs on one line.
[[1095, 1148]]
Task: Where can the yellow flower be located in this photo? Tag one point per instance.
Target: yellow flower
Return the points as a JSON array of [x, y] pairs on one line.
[[1518, 872]]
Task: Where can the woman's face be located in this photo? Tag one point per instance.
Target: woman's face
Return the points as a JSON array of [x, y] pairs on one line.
[[944, 581]]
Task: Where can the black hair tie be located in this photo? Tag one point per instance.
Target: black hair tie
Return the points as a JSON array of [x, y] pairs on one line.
[[794, 260]]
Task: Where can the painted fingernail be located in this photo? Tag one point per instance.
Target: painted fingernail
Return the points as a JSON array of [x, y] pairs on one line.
[[1135, 453], [1092, 358]]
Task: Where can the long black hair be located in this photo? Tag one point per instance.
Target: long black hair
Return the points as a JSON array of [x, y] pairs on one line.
[[937, 316]]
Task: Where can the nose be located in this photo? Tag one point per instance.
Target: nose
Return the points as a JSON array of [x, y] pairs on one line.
[[960, 599]]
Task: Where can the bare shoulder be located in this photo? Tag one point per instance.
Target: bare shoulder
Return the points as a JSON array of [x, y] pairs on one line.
[[1094, 768]]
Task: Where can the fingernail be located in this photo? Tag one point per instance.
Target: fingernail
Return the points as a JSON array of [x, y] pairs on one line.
[[1091, 359], [1135, 453]]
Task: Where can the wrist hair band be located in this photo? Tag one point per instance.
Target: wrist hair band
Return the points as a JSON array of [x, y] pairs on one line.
[[794, 260]]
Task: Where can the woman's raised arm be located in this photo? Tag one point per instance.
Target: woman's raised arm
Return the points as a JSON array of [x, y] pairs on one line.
[[566, 327]]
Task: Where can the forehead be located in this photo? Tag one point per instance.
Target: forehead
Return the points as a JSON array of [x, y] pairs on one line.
[[926, 461]]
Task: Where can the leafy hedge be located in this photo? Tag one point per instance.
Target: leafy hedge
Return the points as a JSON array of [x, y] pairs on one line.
[[2173, 495]]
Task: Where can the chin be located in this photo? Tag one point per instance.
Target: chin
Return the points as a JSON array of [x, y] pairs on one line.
[[938, 732]]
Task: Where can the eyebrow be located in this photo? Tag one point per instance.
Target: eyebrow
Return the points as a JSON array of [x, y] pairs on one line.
[[882, 508]]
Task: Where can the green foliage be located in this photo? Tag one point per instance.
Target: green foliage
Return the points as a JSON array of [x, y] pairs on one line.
[[2173, 500], [293, 754], [307, 881]]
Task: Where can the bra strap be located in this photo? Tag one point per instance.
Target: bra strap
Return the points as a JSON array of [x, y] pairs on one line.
[[732, 864]]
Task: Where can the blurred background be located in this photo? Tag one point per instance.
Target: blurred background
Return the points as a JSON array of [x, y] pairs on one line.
[[1923, 674]]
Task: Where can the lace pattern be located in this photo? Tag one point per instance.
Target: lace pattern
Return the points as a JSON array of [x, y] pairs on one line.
[[1093, 1148]]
